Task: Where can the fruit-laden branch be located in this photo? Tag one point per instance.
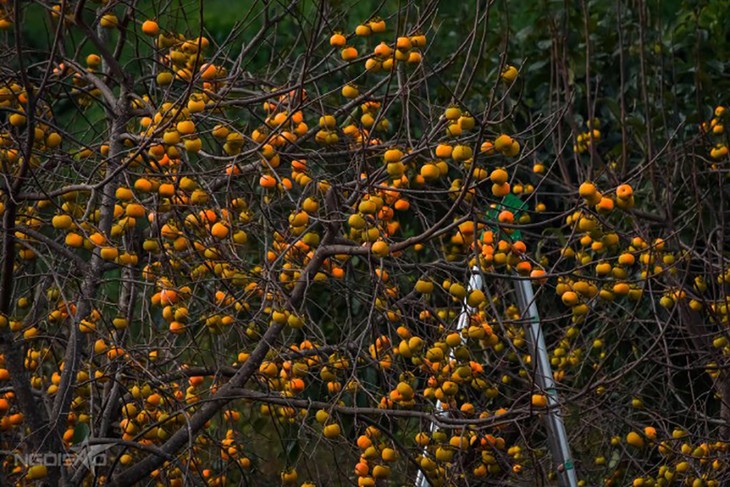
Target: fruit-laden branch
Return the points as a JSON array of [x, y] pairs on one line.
[[440, 420], [38, 436], [225, 394], [73, 355]]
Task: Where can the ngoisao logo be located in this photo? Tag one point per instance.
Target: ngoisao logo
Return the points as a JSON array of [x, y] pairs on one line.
[[84, 454]]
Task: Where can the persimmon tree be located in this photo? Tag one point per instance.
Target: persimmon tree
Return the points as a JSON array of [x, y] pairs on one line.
[[236, 246]]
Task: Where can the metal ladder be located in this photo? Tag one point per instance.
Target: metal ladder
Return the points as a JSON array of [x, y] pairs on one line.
[[557, 436]]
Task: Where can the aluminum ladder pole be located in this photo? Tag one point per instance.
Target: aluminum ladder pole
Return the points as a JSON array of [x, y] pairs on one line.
[[475, 282], [544, 378]]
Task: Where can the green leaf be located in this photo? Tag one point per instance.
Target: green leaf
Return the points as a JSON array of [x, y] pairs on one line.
[[512, 203], [81, 432]]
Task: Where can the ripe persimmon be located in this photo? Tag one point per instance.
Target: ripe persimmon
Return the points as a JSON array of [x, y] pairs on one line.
[[150, 28]]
